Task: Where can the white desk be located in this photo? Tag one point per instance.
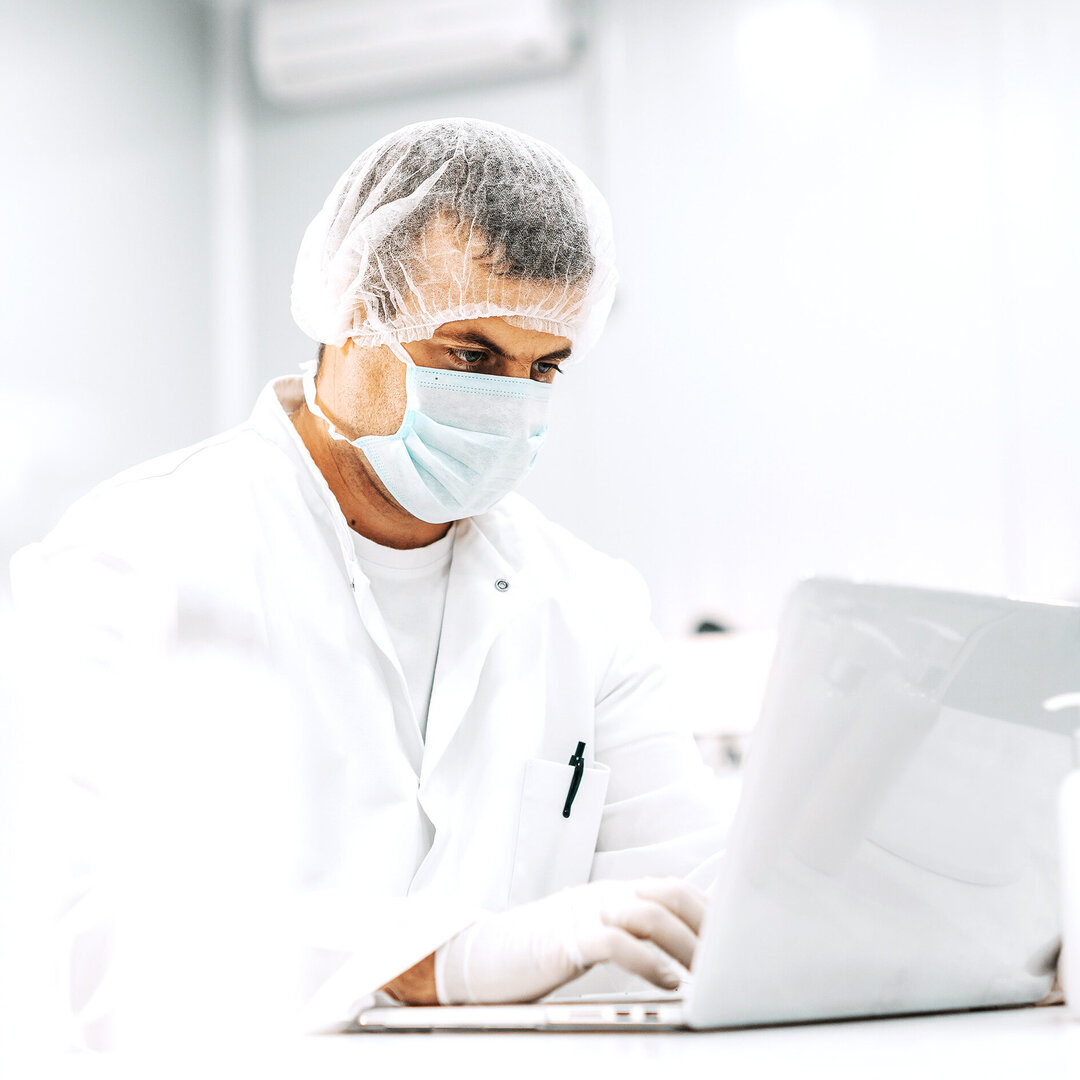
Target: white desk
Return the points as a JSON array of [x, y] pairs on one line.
[[1022, 1043], [1016, 1043]]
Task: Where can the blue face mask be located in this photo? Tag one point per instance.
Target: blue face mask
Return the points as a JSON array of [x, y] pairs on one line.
[[465, 441]]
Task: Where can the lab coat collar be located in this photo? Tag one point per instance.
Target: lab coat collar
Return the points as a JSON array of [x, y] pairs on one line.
[[491, 583], [270, 418]]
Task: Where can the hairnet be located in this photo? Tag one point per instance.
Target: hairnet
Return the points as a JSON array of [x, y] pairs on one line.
[[456, 219]]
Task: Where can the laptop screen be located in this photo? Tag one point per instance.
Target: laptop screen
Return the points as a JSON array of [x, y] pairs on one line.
[[895, 849]]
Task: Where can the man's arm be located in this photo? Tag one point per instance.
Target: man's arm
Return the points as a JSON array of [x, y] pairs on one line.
[[415, 986], [663, 815]]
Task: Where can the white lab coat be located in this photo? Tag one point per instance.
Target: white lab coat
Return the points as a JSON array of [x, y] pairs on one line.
[[238, 546]]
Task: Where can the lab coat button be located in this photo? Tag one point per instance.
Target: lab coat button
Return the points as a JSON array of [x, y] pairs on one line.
[[502, 585]]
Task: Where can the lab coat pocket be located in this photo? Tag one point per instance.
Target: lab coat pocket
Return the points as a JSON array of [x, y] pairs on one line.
[[553, 851]]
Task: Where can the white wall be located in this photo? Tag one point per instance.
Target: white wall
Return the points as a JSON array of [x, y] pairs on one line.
[[104, 329], [104, 292], [844, 339]]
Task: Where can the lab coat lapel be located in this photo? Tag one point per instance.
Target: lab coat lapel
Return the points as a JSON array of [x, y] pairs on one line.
[[484, 593]]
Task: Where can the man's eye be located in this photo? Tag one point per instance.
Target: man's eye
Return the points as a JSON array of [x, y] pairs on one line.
[[544, 366], [469, 356]]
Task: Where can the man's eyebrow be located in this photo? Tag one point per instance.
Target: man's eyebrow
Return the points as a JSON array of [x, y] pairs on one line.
[[473, 337], [560, 354]]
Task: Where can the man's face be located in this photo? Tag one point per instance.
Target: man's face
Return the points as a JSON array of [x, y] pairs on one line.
[[363, 389]]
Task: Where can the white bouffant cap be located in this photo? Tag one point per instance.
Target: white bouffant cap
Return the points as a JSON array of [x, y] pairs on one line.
[[456, 219]]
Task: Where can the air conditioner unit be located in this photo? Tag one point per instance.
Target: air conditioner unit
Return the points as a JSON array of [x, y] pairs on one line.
[[320, 51]]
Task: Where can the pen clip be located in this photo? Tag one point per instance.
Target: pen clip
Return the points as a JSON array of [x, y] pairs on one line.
[[577, 759]]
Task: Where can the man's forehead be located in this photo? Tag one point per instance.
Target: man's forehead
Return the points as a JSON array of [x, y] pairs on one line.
[[444, 239], [455, 270]]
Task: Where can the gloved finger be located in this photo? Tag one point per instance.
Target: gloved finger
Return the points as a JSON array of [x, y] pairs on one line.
[[640, 957], [654, 922], [676, 895]]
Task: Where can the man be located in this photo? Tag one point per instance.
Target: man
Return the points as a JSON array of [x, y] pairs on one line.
[[442, 648]]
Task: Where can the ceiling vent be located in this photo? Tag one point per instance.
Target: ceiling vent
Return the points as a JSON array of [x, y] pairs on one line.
[[322, 51]]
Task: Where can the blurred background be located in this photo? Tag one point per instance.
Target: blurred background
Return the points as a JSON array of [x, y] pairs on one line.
[[845, 340]]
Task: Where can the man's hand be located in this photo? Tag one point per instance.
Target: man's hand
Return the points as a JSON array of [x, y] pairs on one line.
[[644, 926]]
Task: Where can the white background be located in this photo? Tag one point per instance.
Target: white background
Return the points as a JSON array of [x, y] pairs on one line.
[[845, 340]]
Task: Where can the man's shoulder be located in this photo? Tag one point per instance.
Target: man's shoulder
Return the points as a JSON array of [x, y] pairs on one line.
[[168, 491], [202, 472], [217, 452]]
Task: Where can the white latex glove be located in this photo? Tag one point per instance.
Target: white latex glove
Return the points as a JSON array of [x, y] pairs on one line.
[[644, 926]]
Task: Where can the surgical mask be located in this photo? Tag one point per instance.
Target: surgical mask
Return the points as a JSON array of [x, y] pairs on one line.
[[465, 441]]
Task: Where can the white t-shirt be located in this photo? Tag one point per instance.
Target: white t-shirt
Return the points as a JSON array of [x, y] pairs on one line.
[[409, 587]]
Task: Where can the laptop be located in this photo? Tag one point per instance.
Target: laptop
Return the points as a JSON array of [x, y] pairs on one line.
[[894, 850]]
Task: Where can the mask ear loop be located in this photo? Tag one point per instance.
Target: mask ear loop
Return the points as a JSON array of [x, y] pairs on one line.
[[308, 369], [402, 354]]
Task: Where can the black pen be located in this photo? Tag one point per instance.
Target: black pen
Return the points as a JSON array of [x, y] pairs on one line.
[[577, 759]]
